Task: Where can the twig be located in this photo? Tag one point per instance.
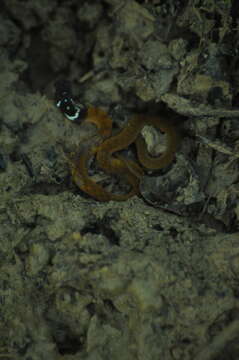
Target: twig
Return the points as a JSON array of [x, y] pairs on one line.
[[218, 146], [220, 341]]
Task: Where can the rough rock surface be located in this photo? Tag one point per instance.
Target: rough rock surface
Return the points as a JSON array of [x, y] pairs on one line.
[[155, 277]]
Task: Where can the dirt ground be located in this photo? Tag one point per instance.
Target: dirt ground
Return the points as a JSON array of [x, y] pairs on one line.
[[156, 276]]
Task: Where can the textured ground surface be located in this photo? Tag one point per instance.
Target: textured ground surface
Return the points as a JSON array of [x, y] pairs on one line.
[[157, 276]]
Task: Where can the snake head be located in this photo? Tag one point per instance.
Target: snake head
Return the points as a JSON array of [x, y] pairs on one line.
[[64, 101]]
